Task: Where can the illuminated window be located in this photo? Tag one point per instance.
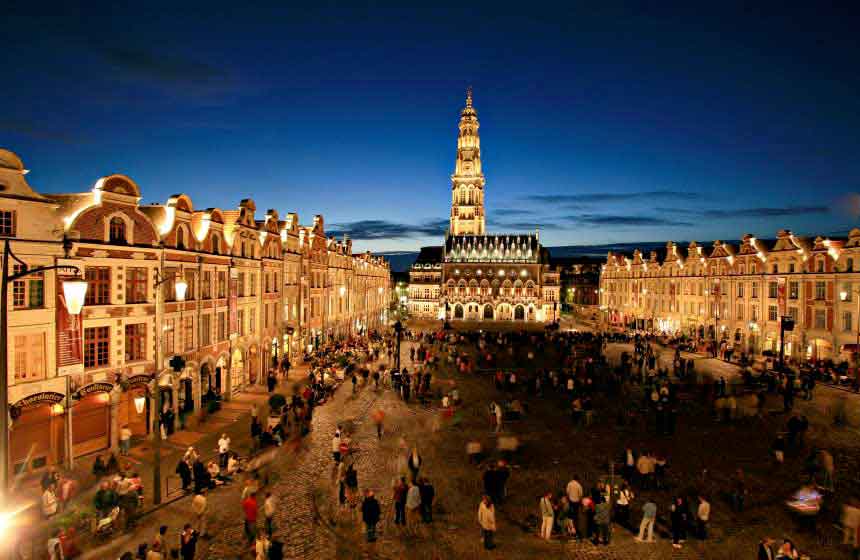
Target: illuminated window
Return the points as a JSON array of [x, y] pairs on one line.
[[29, 357]]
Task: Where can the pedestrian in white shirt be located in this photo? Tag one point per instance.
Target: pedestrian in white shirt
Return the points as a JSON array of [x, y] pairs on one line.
[[223, 450], [335, 445], [124, 440], [574, 498], [547, 516]]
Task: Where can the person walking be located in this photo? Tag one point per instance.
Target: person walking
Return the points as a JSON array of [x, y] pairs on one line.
[[370, 514], [602, 518], [622, 514], [574, 497], [199, 507], [649, 517], [413, 506], [249, 508], [428, 494], [703, 514], [765, 549], [335, 446], [400, 490], [223, 450], [184, 472], [270, 506], [487, 522], [547, 515], [124, 440], [678, 520], [414, 463], [188, 542]]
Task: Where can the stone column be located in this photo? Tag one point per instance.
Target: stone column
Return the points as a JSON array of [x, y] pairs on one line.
[[115, 397]]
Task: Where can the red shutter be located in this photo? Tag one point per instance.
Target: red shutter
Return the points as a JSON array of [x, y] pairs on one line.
[[830, 290], [808, 316], [829, 319]]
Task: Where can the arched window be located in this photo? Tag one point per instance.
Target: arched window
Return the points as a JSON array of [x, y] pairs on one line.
[[117, 230]]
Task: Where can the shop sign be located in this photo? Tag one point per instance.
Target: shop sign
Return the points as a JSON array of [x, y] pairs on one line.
[[94, 388], [37, 399], [140, 379]]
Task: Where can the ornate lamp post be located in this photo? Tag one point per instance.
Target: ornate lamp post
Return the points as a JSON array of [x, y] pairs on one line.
[[181, 288], [74, 291]]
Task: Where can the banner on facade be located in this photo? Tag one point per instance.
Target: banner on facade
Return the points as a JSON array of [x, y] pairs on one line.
[[233, 305], [780, 290], [70, 350]]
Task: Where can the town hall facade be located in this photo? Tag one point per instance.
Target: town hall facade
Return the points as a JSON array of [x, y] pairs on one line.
[[475, 275]]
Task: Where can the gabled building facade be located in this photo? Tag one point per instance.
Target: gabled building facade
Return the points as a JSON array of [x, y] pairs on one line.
[[739, 292], [257, 292]]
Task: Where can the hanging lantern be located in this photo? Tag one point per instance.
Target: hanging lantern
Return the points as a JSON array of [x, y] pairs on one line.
[[181, 289], [74, 291], [139, 402]]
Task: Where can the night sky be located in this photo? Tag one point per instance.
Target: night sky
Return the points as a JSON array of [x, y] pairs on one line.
[[602, 124]]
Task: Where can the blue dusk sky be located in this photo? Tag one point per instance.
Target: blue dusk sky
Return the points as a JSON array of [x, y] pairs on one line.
[[602, 122]]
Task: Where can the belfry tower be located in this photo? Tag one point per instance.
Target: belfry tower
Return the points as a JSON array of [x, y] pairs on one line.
[[467, 182]]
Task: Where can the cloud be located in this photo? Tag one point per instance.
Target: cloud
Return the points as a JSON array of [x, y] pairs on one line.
[[504, 227], [767, 212], [757, 212], [625, 221], [512, 212], [595, 198], [383, 229], [172, 72]]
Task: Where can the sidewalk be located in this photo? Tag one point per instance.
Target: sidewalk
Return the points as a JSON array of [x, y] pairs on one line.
[[233, 419]]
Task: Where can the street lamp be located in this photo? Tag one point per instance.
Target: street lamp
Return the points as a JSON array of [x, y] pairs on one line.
[[180, 287], [74, 291], [843, 295]]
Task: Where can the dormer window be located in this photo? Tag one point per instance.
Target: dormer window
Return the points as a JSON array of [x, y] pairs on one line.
[[180, 238], [216, 245], [116, 233]]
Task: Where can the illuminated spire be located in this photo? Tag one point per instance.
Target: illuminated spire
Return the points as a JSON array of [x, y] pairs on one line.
[[467, 182]]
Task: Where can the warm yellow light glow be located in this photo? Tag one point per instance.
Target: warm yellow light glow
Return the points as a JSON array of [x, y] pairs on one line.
[[181, 287], [843, 295], [57, 409], [74, 292], [342, 291], [139, 401]]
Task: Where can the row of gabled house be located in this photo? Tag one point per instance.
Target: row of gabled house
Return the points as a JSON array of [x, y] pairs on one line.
[[260, 289], [738, 292]]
